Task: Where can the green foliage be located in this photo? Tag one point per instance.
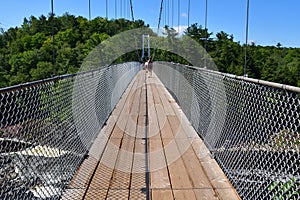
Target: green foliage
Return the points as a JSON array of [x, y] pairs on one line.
[[43, 70], [56, 101], [285, 190], [26, 51], [276, 64], [198, 33]]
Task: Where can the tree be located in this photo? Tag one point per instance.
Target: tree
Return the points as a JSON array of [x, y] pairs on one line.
[[43, 70], [26, 51], [198, 33], [171, 33]]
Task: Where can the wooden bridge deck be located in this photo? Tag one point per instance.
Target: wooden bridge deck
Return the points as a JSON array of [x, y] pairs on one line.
[[149, 150]]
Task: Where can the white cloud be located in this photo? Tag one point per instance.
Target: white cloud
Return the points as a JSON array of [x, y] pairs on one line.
[[184, 15], [161, 30], [181, 29]]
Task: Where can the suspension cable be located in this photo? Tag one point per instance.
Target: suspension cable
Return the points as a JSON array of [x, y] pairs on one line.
[[124, 9], [116, 9], [89, 10], [189, 10], [246, 48], [206, 6], [121, 8], [131, 8], [53, 51], [168, 12], [206, 17], [134, 35], [178, 16], [90, 33], [160, 13], [206, 31], [106, 6], [128, 9], [172, 13], [158, 24], [165, 13]]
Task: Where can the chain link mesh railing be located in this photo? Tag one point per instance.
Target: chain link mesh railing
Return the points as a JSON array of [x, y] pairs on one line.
[[47, 127], [251, 127]]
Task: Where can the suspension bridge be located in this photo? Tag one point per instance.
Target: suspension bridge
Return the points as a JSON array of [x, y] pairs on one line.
[[117, 132]]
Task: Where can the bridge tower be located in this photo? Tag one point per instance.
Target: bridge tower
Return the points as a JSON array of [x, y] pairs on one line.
[[147, 37]]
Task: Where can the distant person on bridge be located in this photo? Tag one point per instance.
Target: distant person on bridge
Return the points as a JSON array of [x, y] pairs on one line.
[[149, 66], [146, 66]]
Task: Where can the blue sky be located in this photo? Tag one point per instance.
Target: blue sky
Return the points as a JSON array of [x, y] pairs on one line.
[[271, 21]]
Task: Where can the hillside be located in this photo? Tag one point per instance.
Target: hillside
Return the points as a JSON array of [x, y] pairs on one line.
[[26, 51]]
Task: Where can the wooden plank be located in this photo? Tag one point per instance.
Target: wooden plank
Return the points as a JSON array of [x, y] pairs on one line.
[[70, 194], [184, 194], [158, 165], [139, 156], [177, 123], [162, 194], [154, 94], [124, 99], [101, 179], [142, 113], [218, 180], [166, 132], [152, 117], [164, 97], [138, 176], [177, 170], [122, 172], [122, 120], [159, 113], [100, 183], [85, 172], [119, 193], [195, 171], [175, 164], [178, 174], [121, 178], [138, 171], [196, 177], [209, 169], [79, 183], [194, 168], [180, 164], [106, 175], [205, 194]]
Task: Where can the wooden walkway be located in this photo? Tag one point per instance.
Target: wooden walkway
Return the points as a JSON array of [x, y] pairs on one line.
[[149, 150]]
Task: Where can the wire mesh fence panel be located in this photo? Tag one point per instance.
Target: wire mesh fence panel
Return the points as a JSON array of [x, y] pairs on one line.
[[252, 128], [48, 126]]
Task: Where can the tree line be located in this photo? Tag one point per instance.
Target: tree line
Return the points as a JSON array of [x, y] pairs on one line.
[[26, 51], [272, 63]]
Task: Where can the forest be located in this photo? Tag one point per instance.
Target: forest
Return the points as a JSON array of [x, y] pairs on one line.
[[26, 51]]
